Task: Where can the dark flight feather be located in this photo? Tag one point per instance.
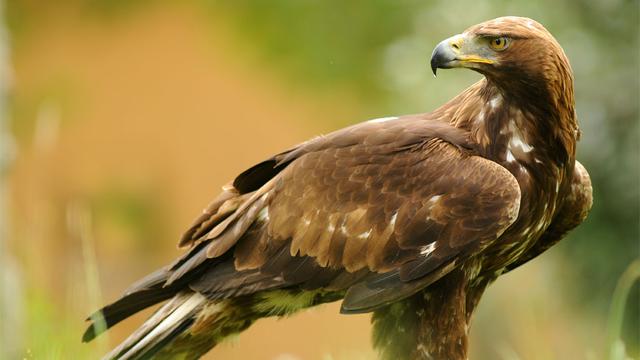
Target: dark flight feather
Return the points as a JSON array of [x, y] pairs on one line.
[[144, 293]]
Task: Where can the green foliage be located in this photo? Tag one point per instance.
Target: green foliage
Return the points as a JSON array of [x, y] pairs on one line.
[[134, 211], [616, 344], [325, 43], [52, 335]]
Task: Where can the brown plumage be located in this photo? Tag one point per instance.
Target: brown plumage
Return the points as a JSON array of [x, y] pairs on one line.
[[409, 217]]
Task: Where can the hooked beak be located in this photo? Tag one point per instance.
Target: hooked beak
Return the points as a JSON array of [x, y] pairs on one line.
[[459, 51]]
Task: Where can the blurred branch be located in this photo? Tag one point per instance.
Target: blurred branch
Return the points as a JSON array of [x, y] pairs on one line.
[[618, 304], [80, 226]]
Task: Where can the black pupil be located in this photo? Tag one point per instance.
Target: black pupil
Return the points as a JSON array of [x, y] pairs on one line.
[[498, 41]]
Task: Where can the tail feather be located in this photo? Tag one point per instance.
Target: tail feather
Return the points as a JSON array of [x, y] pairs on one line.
[[144, 293], [195, 318], [160, 343], [167, 323]]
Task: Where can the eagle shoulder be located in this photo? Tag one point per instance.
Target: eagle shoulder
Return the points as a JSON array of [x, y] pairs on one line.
[[572, 212]]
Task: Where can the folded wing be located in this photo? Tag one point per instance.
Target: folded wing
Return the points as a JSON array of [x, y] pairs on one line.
[[374, 212], [391, 206]]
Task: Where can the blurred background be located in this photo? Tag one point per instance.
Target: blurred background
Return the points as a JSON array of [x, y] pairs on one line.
[[121, 119]]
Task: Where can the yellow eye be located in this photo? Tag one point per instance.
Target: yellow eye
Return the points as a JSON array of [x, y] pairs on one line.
[[499, 43]]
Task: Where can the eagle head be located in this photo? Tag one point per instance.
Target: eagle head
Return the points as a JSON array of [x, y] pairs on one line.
[[505, 49]]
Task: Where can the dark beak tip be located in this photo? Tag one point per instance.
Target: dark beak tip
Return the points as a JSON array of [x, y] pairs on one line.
[[439, 56]]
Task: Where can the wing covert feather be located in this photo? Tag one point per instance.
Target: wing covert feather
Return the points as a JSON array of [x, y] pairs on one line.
[[417, 209], [403, 201]]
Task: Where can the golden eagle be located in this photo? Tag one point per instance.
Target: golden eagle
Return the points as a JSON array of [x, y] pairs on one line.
[[408, 217]]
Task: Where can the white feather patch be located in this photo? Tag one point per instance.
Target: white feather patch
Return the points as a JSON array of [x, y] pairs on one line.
[[495, 101], [365, 234], [394, 217], [383, 119], [427, 249], [263, 215]]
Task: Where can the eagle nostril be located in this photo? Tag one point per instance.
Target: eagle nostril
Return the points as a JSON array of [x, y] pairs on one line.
[[455, 45]]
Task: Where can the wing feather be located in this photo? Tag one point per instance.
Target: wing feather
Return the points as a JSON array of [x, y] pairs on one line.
[[381, 208]]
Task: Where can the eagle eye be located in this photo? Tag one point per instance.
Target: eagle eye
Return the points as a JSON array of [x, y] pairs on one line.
[[499, 43]]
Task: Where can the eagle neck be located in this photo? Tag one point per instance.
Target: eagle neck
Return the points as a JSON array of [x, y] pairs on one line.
[[510, 125], [534, 141]]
